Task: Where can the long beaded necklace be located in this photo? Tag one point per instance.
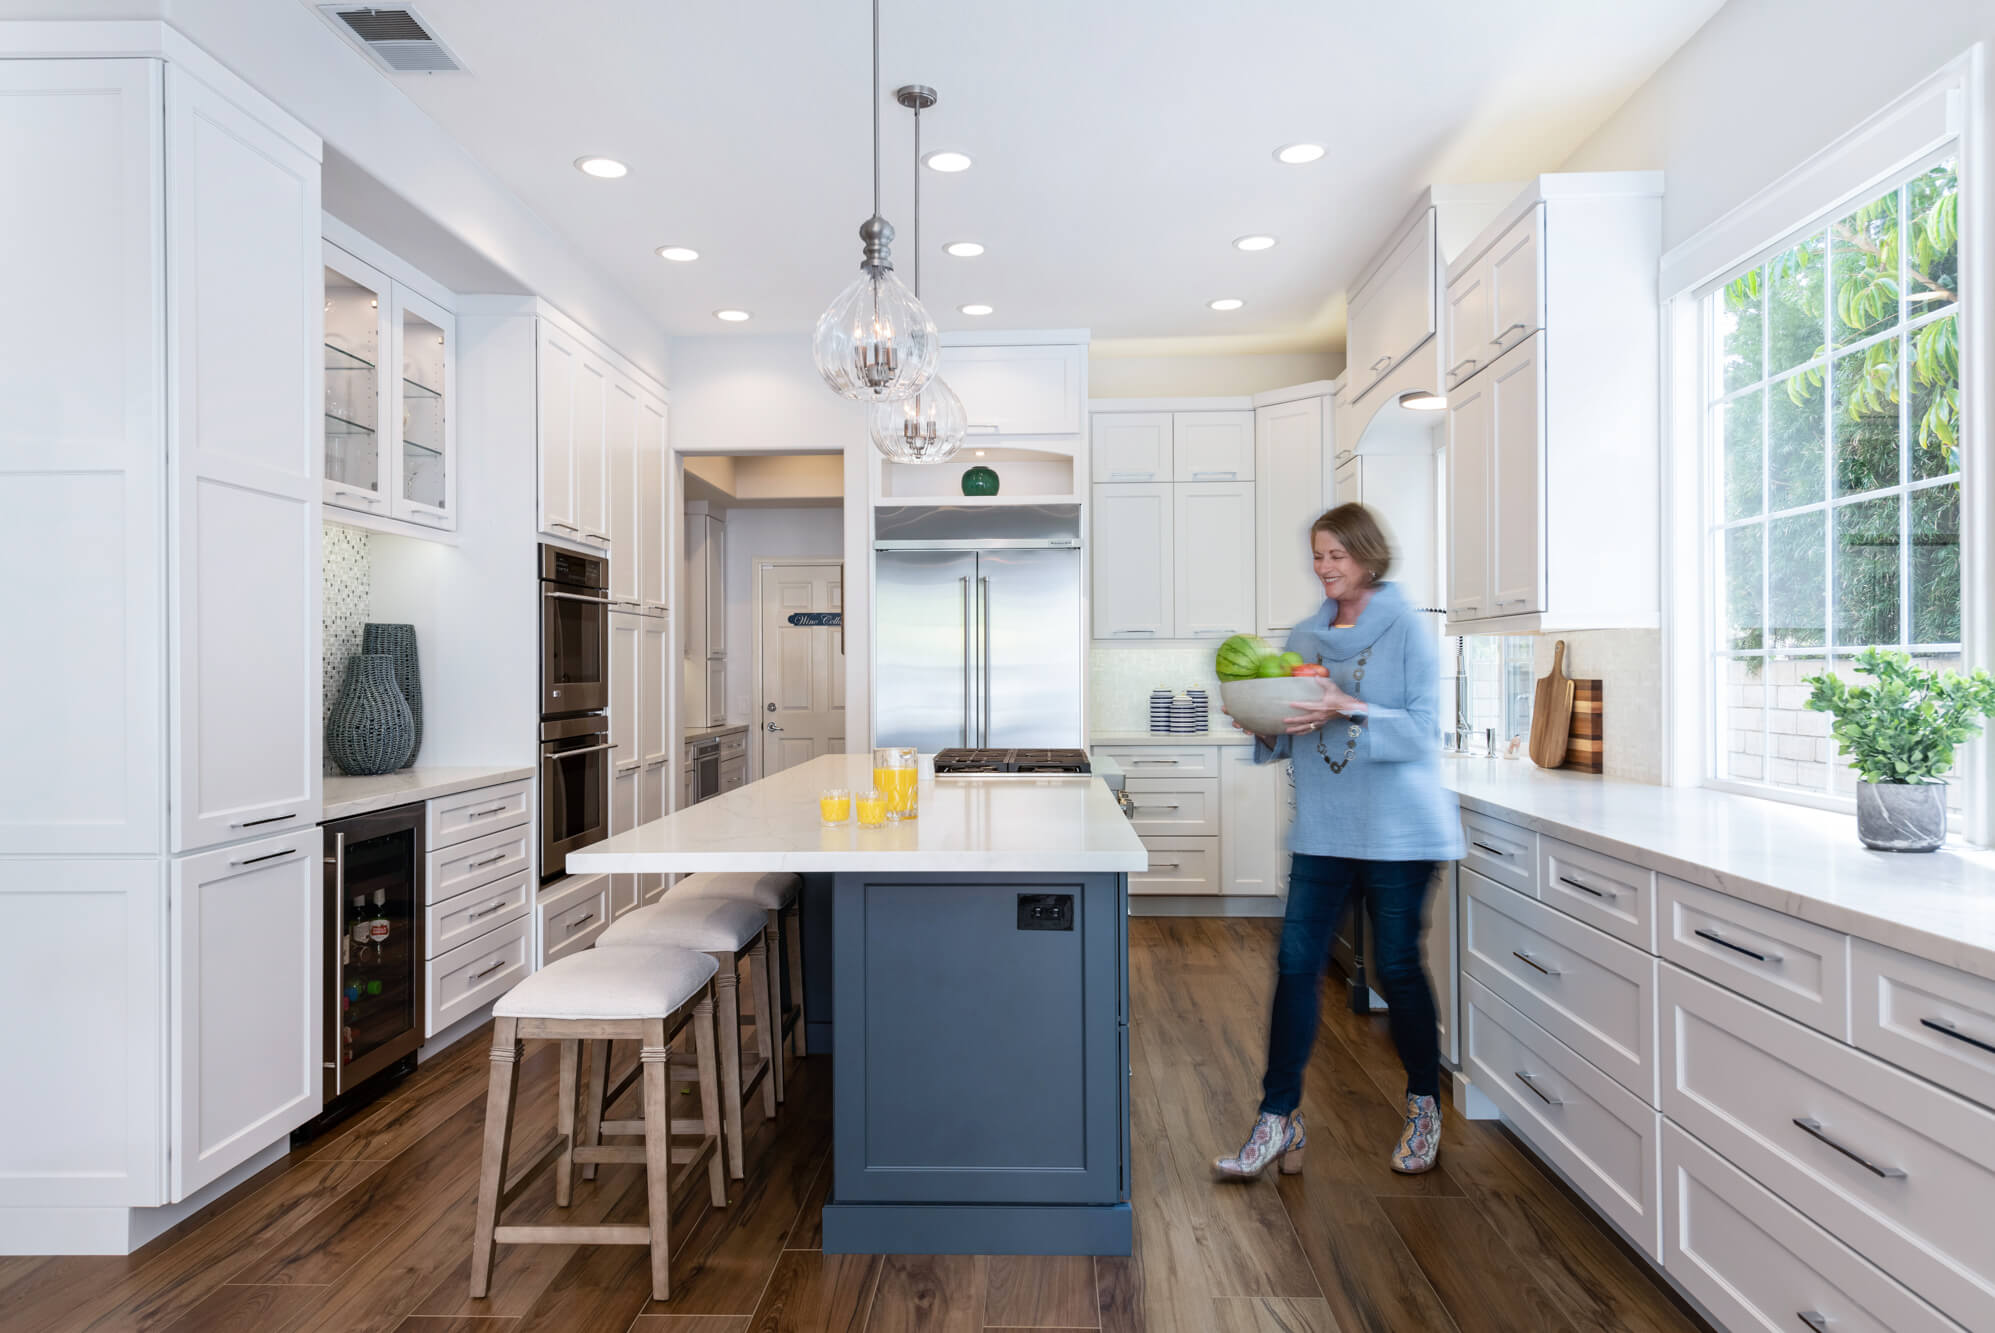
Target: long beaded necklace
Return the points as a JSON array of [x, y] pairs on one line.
[[1357, 724]]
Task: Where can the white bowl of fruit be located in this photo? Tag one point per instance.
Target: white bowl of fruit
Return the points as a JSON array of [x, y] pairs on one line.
[[1258, 682]]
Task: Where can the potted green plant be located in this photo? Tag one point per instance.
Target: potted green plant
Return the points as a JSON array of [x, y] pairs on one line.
[[1900, 734]]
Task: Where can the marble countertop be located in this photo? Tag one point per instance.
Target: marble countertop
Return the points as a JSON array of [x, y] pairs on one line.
[[1807, 863], [703, 733], [965, 826], [1229, 736], [346, 796]]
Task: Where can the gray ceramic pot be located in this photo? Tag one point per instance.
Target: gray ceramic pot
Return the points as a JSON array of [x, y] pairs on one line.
[[1901, 816], [398, 642], [369, 729]]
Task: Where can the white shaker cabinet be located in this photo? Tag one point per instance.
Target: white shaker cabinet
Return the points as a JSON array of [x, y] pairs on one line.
[[1133, 564], [1470, 471], [628, 539], [1253, 803], [1213, 583], [1517, 453], [423, 469], [359, 348], [1392, 307], [1290, 446], [246, 949], [654, 486], [574, 444], [243, 306], [1019, 390], [1130, 446], [1212, 446]]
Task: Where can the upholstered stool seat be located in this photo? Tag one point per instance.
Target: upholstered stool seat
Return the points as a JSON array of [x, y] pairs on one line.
[[648, 995], [728, 931], [776, 892]]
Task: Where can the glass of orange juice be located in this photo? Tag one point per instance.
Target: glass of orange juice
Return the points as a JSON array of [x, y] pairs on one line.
[[872, 808], [897, 772], [834, 806]]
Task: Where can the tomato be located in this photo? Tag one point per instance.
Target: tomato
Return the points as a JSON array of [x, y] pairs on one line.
[[1311, 669]]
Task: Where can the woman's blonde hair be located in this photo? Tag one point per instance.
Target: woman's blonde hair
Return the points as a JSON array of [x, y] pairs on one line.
[[1359, 534]]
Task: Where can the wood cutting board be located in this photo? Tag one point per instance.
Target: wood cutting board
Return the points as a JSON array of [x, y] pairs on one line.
[[1551, 713], [1584, 735]]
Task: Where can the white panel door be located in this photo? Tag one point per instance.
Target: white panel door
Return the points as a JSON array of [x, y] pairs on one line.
[[654, 502], [1019, 390], [1289, 482], [1440, 951], [716, 672], [693, 606], [1517, 282], [1130, 446], [714, 569], [628, 539], [1132, 558], [559, 355], [591, 444], [1212, 446], [800, 713], [1469, 502], [627, 701], [1468, 325], [1517, 452], [1393, 312], [247, 952], [1251, 797], [243, 306], [81, 454], [654, 644], [1214, 581]]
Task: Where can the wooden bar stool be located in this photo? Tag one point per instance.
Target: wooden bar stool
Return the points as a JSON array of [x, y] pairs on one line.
[[646, 995], [728, 932], [776, 892]]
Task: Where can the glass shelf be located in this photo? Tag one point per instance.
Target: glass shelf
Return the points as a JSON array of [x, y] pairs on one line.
[[341, 426], [338, 358], [412, 447], [414, 392]]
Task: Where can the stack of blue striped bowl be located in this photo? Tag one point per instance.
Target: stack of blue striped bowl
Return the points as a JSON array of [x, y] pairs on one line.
[[1160, 711]]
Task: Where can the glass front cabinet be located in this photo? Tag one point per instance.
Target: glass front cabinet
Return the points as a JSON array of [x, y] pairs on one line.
[[390, 364]]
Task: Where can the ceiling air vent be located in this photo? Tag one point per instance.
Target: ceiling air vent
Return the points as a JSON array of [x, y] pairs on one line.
[[396, 38]]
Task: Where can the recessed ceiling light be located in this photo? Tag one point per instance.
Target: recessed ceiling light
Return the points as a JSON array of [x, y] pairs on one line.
[[1254, 243], [946, 159], [1421, 400], [963, 249], [605, 168], [731, 316], [678, 254], [974, 309], [1226, 303], [1295, 154]]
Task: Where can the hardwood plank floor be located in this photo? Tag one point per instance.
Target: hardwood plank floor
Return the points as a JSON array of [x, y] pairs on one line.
[[367, 1230]]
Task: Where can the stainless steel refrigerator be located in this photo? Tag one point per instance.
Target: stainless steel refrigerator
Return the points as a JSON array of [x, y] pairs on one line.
[[978, 635]]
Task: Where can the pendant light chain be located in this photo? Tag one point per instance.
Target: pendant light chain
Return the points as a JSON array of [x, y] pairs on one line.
[[917, 199], [876, 108]]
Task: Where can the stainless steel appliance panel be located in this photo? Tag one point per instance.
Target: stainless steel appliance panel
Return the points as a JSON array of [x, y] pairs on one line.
[[926, 685], [1029, 659], [574, 789], [574, 632], [374, 944]]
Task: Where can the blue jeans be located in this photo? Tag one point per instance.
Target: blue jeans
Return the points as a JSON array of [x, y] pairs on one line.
[[1396, 897]]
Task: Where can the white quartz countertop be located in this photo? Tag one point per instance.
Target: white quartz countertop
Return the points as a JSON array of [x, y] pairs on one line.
[[346, 796], [1807, 863], [1229, 736], [964, 825]]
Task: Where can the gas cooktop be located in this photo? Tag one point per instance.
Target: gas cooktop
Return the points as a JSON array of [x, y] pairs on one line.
[[1011, 763]]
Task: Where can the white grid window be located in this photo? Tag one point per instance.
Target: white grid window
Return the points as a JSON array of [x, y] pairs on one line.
[[1832, 446]]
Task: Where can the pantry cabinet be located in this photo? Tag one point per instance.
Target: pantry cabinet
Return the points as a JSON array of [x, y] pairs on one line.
[[652, 540], [574, 440], [1133, 562], [1291, 444], [1213, 558], [627, 536]]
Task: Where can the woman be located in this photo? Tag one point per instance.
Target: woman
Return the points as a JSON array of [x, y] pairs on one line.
[[1371, 816]]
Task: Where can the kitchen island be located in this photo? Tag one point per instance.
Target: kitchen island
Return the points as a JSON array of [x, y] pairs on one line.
[[968, 972]]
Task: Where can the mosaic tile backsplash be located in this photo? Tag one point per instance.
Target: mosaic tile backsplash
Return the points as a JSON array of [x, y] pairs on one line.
[[1120, 680], [348, 592]]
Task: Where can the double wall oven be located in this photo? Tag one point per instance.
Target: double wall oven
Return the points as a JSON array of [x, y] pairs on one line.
[[574, 698]]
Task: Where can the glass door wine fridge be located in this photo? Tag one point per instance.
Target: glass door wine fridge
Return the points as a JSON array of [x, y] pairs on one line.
[[374, 953]]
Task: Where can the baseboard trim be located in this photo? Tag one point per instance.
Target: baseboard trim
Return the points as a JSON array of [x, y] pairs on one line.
[[60, 1230]]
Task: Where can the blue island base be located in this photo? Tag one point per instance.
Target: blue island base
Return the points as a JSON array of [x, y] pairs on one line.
[[945, 1228]]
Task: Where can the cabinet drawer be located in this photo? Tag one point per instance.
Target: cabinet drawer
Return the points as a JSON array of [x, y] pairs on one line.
[[1600, 890], [1787, 964], [1179, 865], [1175, 807], [475, 974], [733, 746], [1503, 852], [478, 861], [1756, 1264], [1164, 761], [572, 918], [472, 913], [1595, 994], [1602, 1136], [1931, 1019], [468, 814], [1893, 1167]]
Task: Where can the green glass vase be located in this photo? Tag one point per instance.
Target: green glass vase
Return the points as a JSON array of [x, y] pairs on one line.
[[980, 480]]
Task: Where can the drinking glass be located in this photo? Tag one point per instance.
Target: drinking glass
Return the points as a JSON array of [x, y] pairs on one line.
[[872, 808], [897, 772], [834, 806]]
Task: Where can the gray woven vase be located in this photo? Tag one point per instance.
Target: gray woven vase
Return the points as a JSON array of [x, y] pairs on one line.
[[369, 729], [399, 643]]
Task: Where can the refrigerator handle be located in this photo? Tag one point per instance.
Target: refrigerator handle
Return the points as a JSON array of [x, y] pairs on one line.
[[969, 659], [984, 661]]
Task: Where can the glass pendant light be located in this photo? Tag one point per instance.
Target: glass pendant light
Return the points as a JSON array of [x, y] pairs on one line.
[[876, 343], [929, 426]]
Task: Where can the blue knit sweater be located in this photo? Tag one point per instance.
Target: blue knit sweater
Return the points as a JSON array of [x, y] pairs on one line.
[[1388, 803]]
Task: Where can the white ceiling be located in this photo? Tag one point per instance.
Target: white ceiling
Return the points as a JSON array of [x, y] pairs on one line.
[[1119, 145]]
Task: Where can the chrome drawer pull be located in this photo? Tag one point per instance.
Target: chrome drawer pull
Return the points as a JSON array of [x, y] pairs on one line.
[[1497, 341], [1941, 1025], [1548, 971], [1487, 848], [498, 905], [1381, 363], [488, 861], [581, 921], [1722, 942], [1154, 763], [1165, 865], [479, 976], [1814, 1129], [1530, 1083], [1467, 361], [1158, 806], [488, 810], [1584, 888], [1813, 1320]]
